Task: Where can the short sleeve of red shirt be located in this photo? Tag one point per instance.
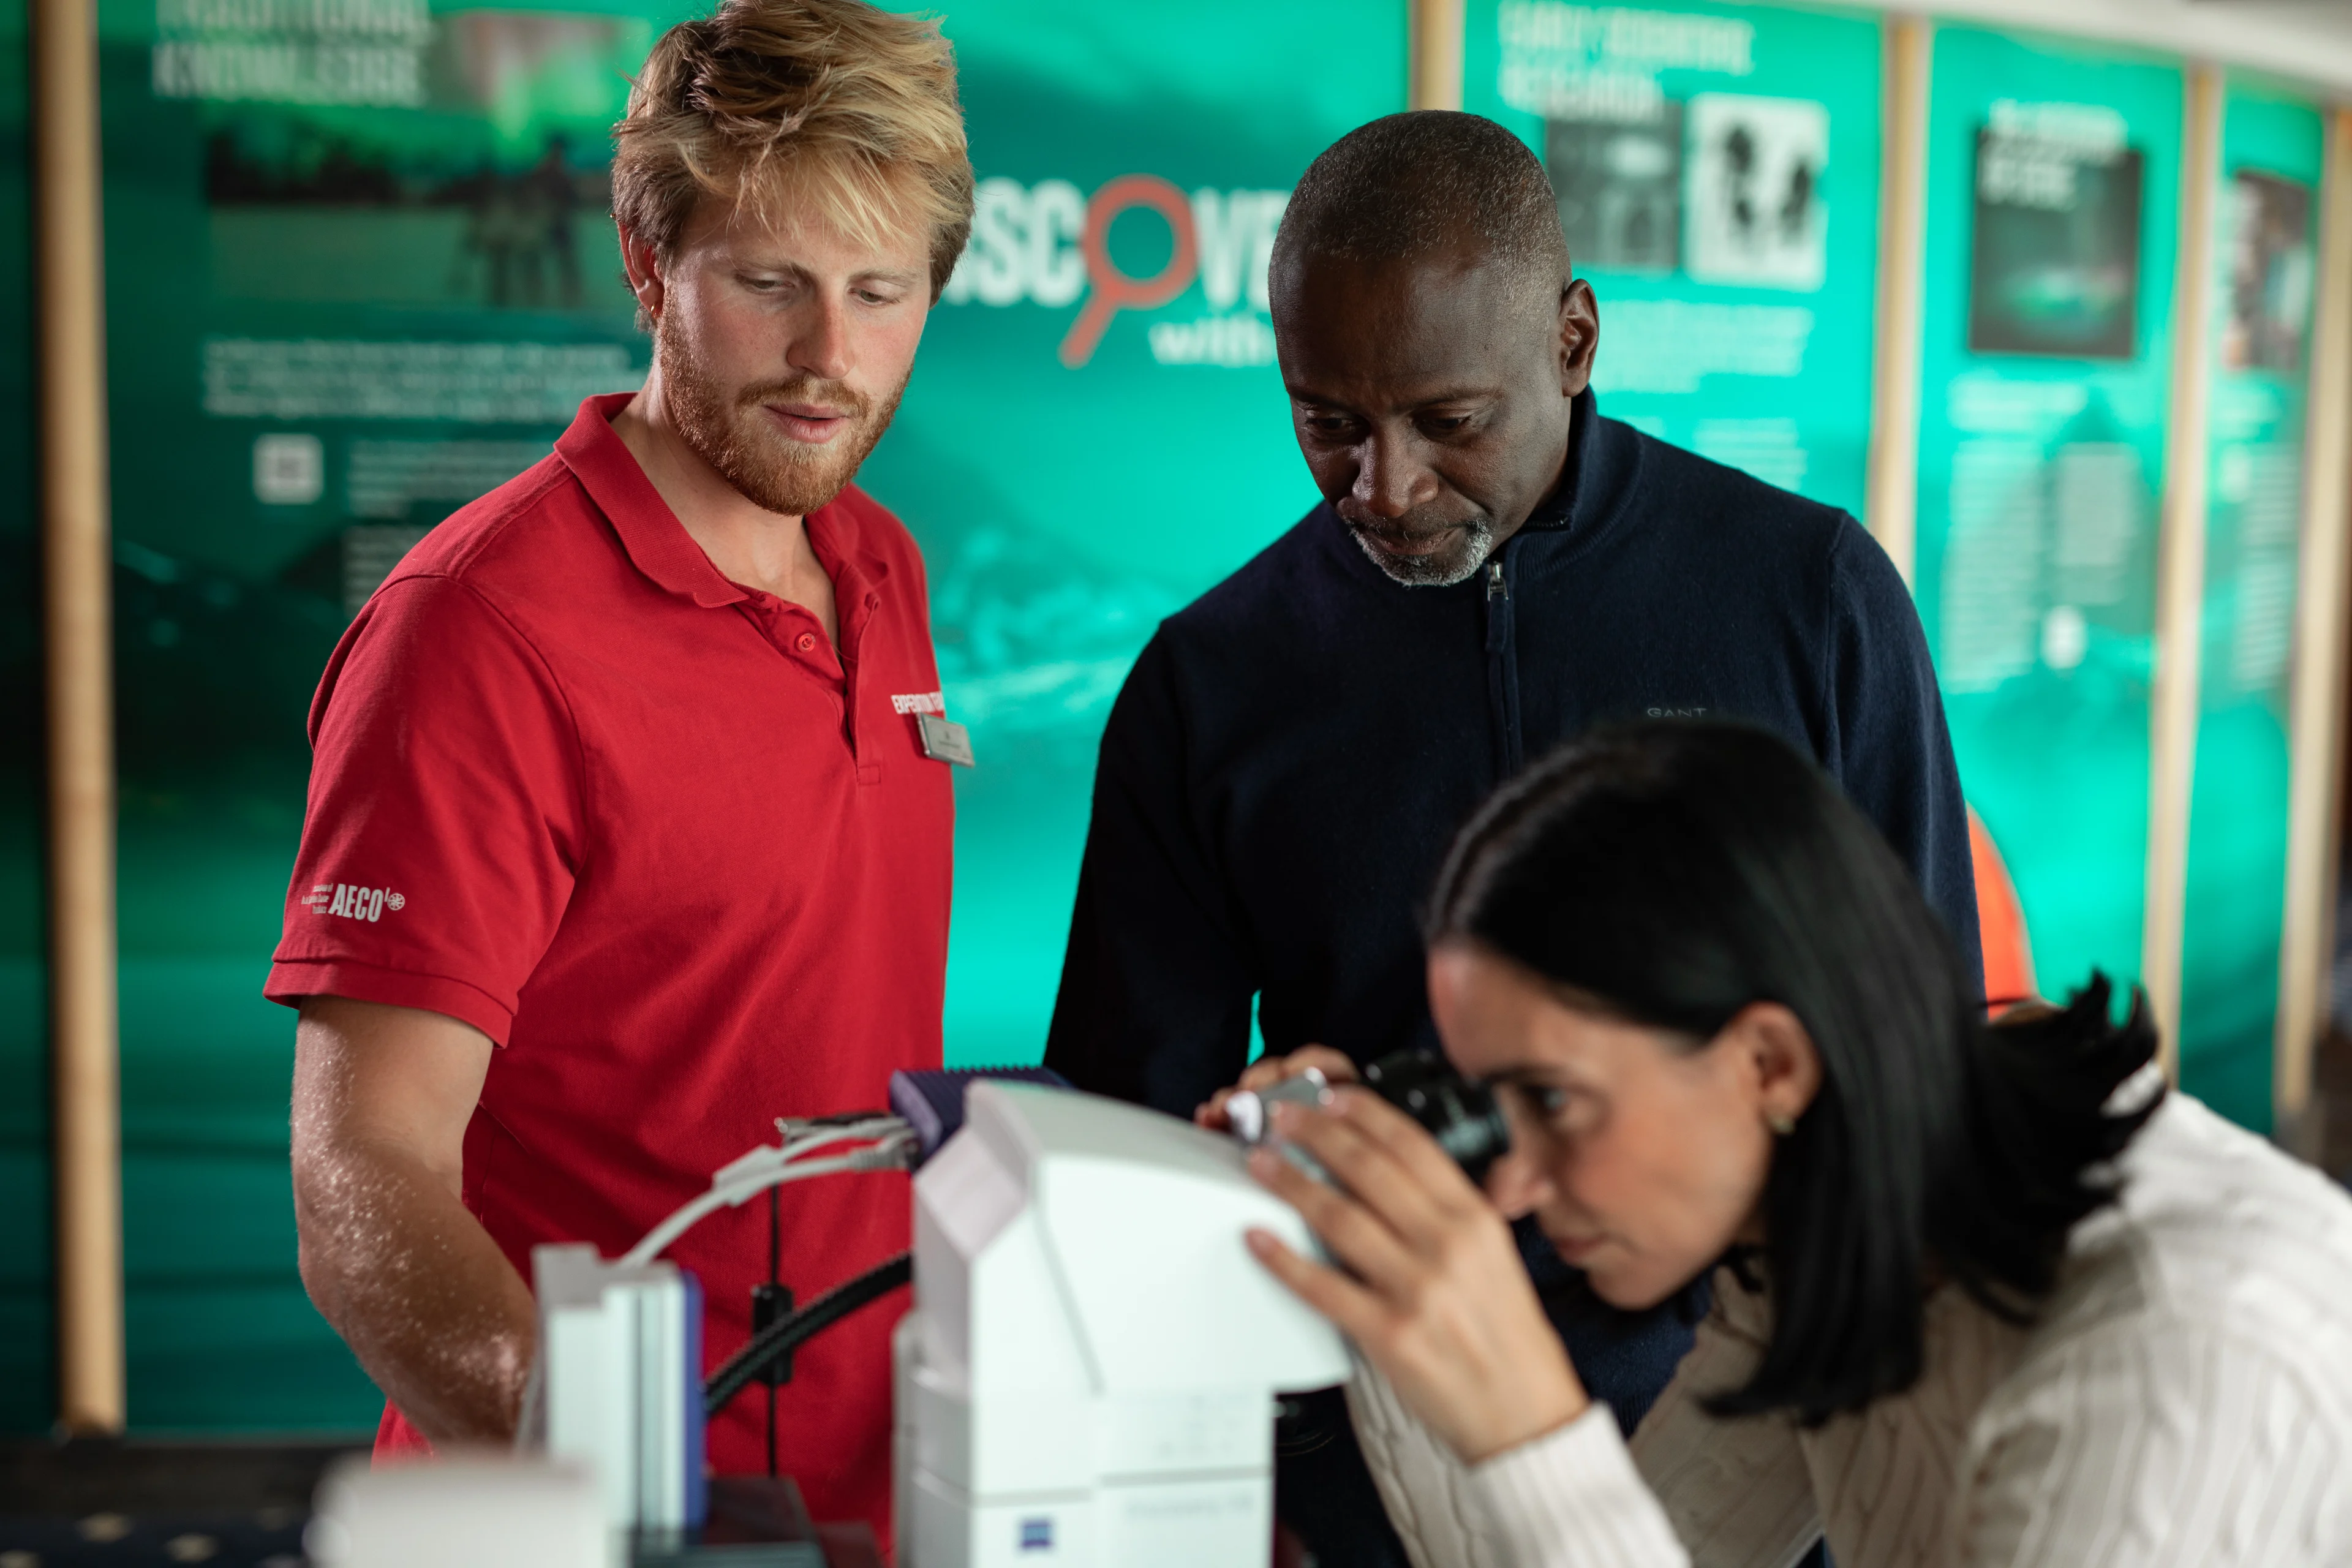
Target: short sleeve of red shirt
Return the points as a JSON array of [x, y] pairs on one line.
[[441, 837]]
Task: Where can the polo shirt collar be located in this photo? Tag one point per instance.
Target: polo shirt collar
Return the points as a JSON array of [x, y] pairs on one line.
[[658, 544]]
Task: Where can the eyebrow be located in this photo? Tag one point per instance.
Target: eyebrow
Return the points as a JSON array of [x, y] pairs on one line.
[[796, 269], [1452, 395], [1521, 1077]]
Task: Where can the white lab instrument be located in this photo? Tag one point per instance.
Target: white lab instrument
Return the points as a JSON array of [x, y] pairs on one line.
[[617, 1386], [465, 1510], [617, 1389], [1088, 1377]]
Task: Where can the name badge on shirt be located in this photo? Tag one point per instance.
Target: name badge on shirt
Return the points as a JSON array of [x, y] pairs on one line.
[[944, 740]]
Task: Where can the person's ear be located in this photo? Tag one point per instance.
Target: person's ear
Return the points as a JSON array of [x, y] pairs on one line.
[[642, 265], [1778, 1052], [1579, 336]]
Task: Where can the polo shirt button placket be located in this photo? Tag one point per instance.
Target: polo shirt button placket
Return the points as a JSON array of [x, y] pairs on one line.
[[868, 773], [805, 642]]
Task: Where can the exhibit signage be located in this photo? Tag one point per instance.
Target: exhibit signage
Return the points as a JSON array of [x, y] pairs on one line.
[[1097, 431], [2267, 241], [360, 271], [1716, 168], [2053, 182]]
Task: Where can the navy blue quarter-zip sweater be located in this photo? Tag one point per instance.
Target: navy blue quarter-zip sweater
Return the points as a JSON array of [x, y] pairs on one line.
[[1293, 751]]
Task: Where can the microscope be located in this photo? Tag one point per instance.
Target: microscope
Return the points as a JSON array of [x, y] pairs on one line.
[[1089, 1375], [1090, 1369]]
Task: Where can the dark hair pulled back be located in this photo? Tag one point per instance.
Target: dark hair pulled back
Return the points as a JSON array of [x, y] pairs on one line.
[[1671, 874]]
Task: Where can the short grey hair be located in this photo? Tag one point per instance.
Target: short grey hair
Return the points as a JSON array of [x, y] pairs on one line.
[[1425, 183]]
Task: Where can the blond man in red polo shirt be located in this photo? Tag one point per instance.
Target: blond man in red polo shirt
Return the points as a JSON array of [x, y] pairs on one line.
[[623, 839]]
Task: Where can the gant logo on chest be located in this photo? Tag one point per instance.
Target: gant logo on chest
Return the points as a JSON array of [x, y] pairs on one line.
[[919, 702], [353, 901]]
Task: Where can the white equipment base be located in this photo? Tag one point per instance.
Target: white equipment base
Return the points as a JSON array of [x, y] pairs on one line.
[[1089, 1375]]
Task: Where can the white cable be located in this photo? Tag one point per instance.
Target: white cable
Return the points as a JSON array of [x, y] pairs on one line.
[[659, 1238], [797, 1142], [767, 1166]]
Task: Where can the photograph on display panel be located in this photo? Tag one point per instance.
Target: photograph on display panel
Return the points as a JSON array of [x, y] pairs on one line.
[[2272, 272], [1726, 188], [2056, 255], [1753, 191], [1619, 184]]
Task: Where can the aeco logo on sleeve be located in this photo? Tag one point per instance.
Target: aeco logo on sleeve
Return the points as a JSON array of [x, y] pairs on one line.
[[352, 900]]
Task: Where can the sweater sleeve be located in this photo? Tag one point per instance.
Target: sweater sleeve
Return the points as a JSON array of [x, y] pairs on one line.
[[1570, 1498], [1155, 989], [1890, 748], [1573, 1499], [2164, 1446], [1692, 1491]]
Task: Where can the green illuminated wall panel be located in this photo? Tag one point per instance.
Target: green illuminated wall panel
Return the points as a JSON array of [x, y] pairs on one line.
[[27, 1396], [1716, 168], [2052, 181], [359, 271], [1092, 438], [355, 276], [2267, 216]]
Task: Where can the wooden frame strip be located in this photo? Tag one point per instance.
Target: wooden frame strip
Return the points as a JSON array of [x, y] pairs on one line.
[[1891, 494], [2316, 718], [78, 622], [2180, 564], [1433, 54]]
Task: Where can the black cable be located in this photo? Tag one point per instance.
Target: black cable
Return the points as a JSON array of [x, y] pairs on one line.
[[775, 1278], [786, 1336]]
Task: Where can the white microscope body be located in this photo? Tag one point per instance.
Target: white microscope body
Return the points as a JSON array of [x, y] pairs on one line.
[[1088, 1377]]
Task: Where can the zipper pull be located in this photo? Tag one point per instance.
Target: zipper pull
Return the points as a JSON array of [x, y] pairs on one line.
[[1495, 587]]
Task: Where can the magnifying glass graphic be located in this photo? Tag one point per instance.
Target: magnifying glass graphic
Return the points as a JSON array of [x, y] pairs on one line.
[[1109, 291]]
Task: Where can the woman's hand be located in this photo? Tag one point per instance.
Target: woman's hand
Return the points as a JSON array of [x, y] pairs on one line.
[[1268, 1071], [1435, 1295]]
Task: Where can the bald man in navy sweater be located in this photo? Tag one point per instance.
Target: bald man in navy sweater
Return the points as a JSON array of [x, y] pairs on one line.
[[1494, 569]]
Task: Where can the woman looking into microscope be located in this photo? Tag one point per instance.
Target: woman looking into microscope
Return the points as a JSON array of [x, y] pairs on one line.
[[1982, 1295]]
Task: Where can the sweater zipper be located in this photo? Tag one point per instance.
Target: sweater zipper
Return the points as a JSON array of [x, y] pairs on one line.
[[1502, 665]]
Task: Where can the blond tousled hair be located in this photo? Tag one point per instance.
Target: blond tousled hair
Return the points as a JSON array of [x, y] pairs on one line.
[[833, 103]]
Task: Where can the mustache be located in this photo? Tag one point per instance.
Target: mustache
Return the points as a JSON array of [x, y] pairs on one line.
[[1414, 527], [836, 394]]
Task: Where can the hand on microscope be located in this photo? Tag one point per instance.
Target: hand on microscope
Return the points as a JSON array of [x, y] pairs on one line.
[[1268, 1071], [1430, 1284]]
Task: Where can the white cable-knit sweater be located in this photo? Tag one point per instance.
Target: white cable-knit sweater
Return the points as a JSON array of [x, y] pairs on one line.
[[2184, 1399]]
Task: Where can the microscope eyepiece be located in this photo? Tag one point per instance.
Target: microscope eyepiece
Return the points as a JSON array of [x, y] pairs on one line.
[[1459, 1112]]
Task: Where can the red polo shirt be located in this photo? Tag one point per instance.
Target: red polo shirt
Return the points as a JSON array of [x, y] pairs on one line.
[[689, 869]]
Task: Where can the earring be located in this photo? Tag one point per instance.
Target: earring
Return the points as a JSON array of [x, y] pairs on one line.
[[1781, 1126]]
